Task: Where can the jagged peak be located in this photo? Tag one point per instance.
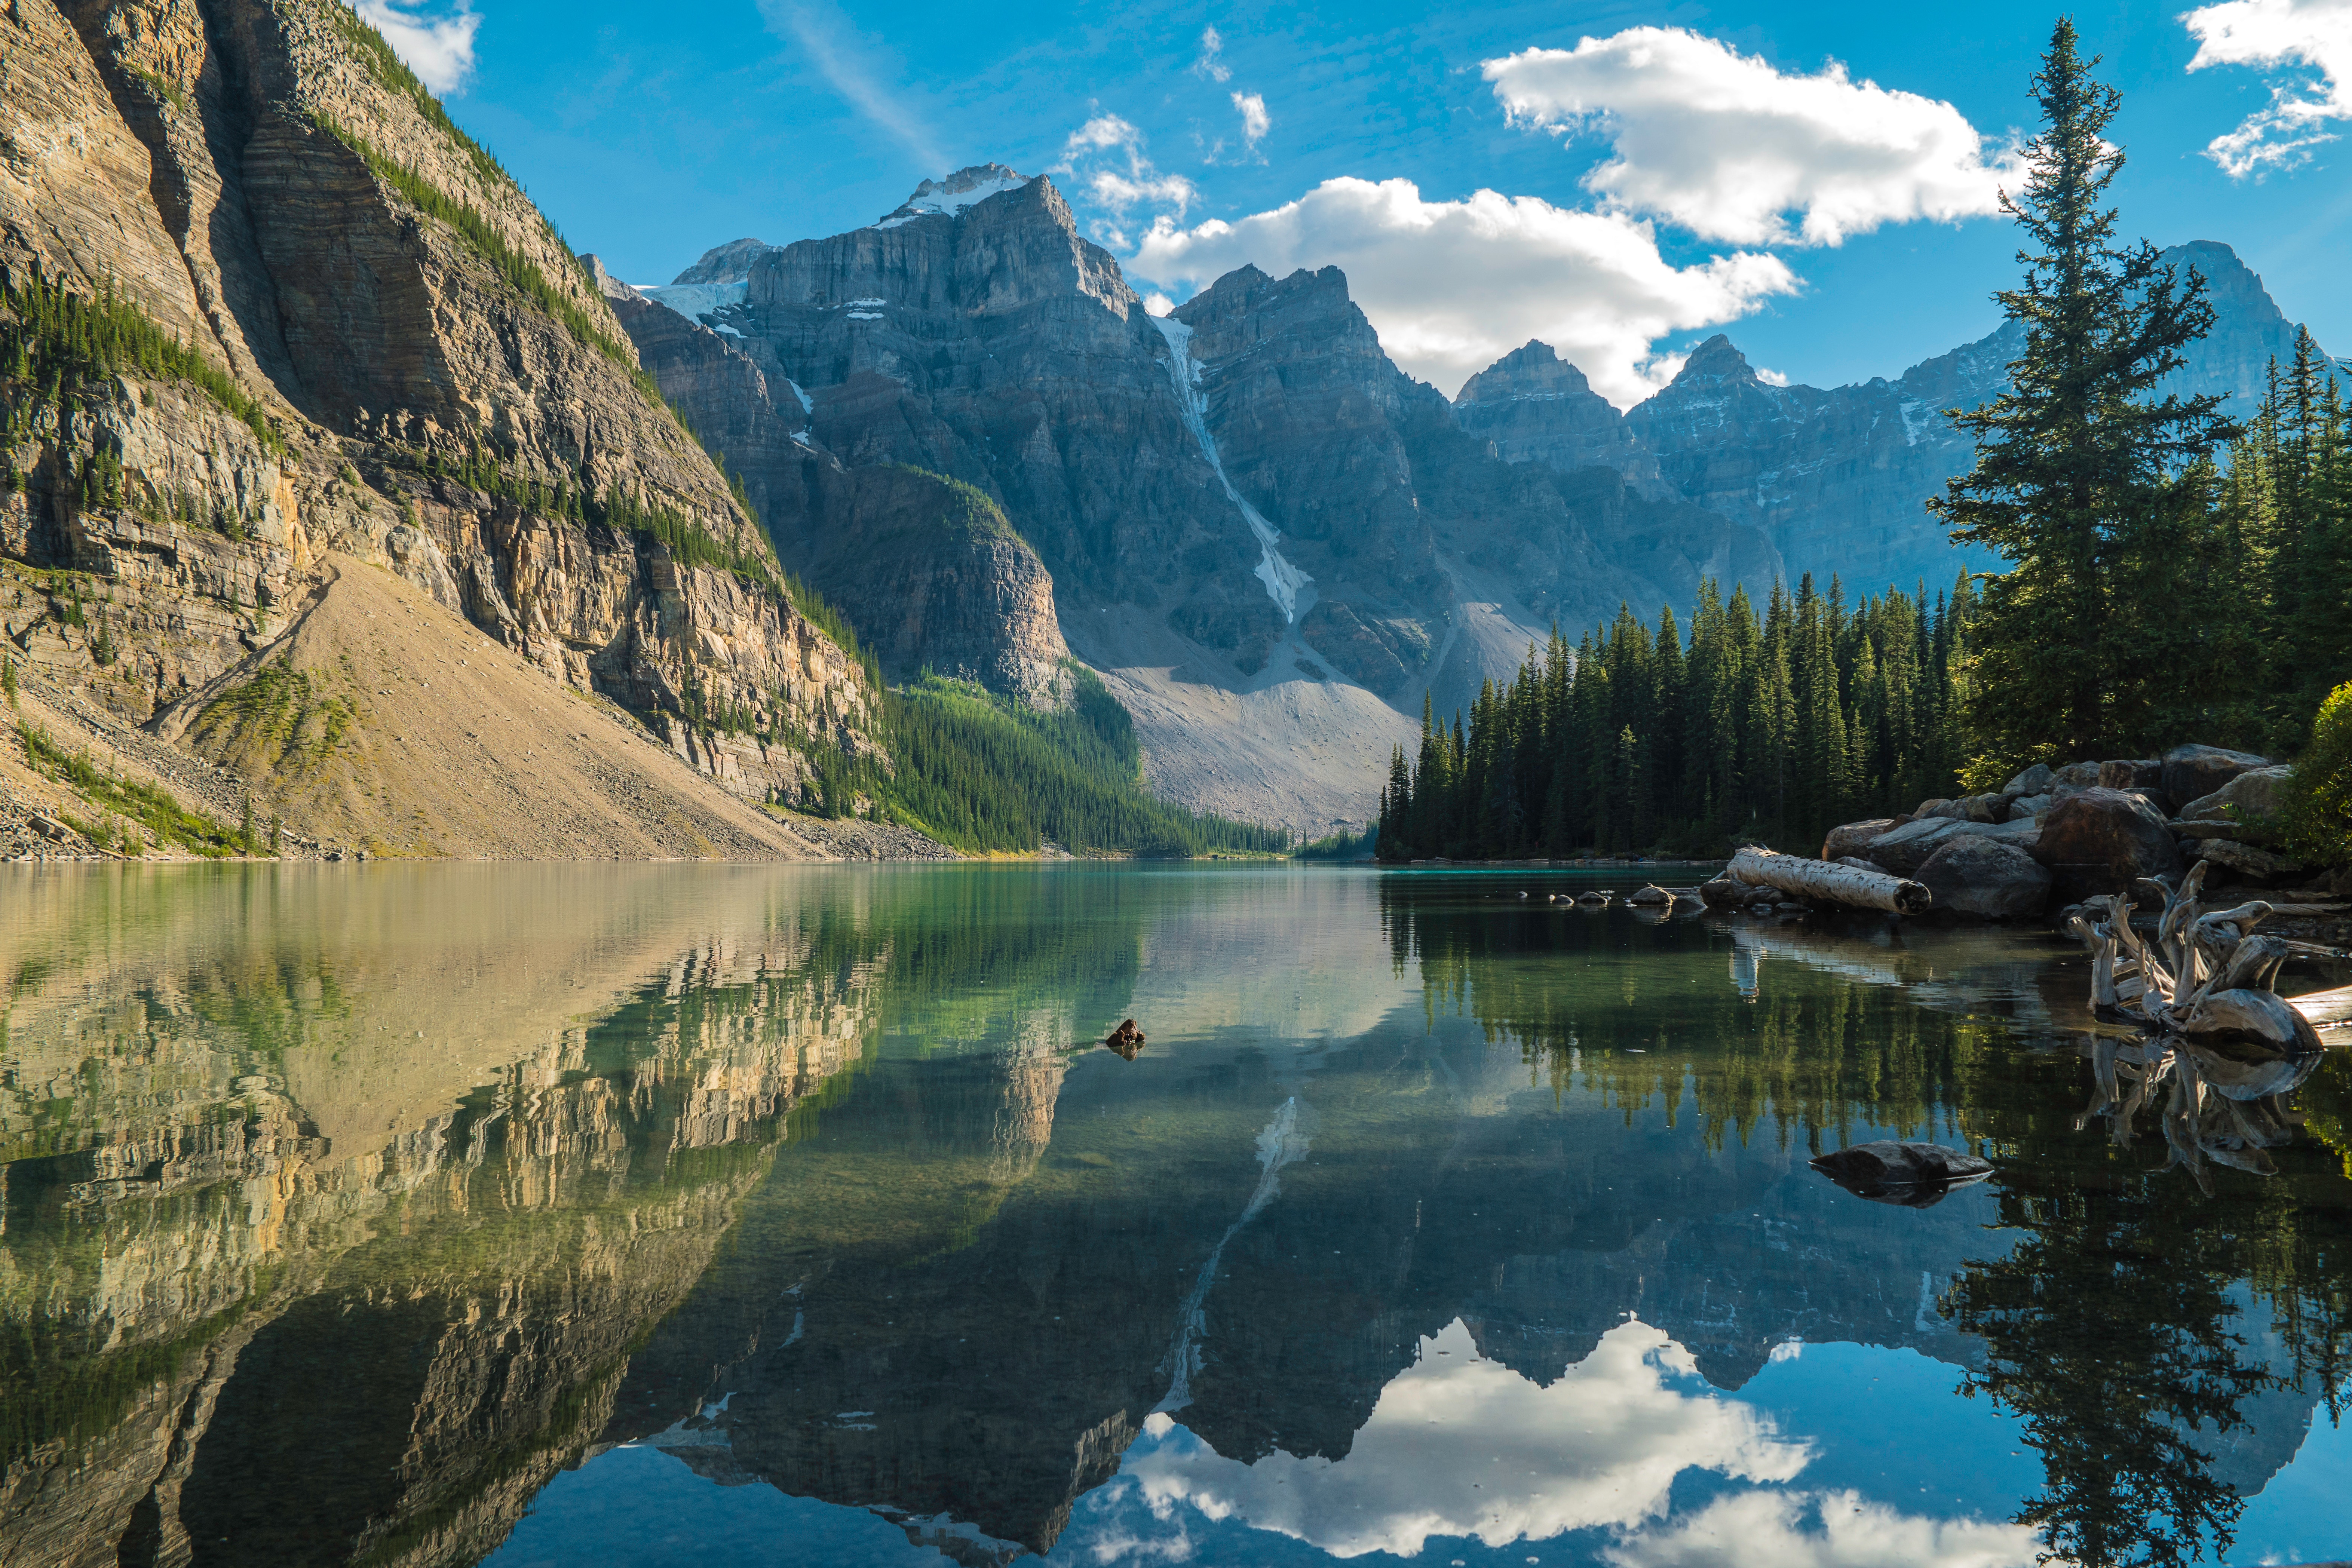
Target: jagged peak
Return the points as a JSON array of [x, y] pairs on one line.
[[1715, 359], [950, 197], [1535, 368]]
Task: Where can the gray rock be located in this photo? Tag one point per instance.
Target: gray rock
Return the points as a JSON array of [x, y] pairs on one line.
[[2101, 840], [2246, 800], [2082, 775], [2030, 806], [1912, 1174], [2035, 780], [1983, 878], [2221, 827], [1653, 894], [1903, 851], [1930, 807], [2192, 773], [1849, 837], [2139, 772], [2246, 859]]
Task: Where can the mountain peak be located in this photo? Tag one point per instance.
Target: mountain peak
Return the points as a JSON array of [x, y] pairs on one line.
[[949, 197], [1715, 361], [1533, 369], [727, 263]]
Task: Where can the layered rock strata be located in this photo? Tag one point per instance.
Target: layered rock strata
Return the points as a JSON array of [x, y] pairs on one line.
[[409, 368]]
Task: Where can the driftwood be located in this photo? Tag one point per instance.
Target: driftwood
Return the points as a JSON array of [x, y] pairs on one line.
[[1825, 881], [2204, 996]]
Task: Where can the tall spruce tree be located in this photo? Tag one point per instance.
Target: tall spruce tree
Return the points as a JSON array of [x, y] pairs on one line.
[[2081, 473]]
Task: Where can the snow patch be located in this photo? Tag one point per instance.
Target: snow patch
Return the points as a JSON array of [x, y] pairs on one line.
[[864, 315], [1283, 580], [950, 197], [696, 301]]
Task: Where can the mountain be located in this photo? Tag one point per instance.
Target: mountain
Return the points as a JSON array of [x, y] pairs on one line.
[[1834, 479], [286, 350], [1269, 540]]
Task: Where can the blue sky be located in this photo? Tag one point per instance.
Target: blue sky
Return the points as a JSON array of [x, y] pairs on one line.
[[649, 135]]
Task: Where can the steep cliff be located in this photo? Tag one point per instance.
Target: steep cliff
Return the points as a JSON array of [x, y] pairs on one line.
[[265, 303], [926, 567]]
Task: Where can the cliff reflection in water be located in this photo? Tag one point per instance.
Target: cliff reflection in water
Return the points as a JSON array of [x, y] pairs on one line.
[[344, 1211]]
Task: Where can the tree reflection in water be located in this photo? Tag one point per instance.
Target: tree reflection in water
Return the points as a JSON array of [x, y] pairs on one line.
[[2116, 1326]]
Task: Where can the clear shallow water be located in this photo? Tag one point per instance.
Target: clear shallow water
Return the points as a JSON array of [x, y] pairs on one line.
[[650, 1215]]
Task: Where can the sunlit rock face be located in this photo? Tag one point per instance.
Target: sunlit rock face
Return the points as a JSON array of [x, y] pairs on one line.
[[377, 1278]]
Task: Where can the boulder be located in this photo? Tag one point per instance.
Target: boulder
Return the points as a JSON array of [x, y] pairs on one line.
[[2140, 772], [1724, 892], [1653, 894], [1984, 878], [2035, 780], [2082, 775], [2245, 801], [2026, 807], [1849, 837], [2192, 773], [1903, 851], [2246, 859], [2101, 840], [1930, 808], [1914, 1175]]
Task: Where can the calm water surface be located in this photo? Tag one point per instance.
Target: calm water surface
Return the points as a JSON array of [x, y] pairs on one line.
[[665, 1215]]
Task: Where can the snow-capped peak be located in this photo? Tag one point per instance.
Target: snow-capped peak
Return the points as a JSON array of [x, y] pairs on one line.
[[698, 301], [950, 196]]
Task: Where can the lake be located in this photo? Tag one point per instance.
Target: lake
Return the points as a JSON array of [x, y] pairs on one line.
[[648, 1215]]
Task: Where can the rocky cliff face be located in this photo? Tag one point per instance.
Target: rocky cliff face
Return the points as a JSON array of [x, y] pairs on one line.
[[925, 566], [407, 366]]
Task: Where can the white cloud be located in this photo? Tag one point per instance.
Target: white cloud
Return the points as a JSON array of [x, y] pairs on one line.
[[1106, 158], [439, 49], [1453, 286], [1778, 1529], [1209, 66], [1458, 1445], [2315, 35], [1256, 122], [1725, 145]]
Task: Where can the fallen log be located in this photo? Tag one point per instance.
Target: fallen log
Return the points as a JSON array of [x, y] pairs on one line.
[[1827, 882]]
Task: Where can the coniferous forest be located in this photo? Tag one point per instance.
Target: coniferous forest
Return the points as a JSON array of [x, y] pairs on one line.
[[2176, 575], [1771, 727]]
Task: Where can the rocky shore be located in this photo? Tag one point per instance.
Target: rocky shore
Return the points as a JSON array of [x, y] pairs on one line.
[[2054, 837]]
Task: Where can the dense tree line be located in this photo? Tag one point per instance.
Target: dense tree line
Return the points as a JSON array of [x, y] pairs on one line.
[[1772, 727]]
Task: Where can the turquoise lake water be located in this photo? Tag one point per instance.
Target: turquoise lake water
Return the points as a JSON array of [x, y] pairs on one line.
[[701, 1214]]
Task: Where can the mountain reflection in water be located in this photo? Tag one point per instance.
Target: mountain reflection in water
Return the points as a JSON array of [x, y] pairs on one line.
[[634, 1215]]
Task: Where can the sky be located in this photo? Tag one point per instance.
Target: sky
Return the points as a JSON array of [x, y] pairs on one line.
[[1619, 180]]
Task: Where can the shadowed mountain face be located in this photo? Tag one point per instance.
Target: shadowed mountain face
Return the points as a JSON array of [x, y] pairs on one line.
[[1834, 479], [344, 1217]]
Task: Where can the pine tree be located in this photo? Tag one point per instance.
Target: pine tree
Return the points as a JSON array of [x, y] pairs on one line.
[[2076, 472]]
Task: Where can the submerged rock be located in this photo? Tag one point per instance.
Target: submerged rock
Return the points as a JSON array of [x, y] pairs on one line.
[[1912, 1174], [1127, 1040]]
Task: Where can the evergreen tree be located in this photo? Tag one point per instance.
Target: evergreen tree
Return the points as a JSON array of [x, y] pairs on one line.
[[2079, 475]]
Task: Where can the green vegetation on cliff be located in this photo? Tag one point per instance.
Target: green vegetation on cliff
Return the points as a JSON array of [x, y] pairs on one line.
[[991, 776], [58, 347]]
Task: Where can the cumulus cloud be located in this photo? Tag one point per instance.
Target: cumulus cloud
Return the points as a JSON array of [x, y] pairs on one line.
[[1106, 158], [1209, 66], [1731, 149], [1458, 1445], [438, 48], [1256, 122], [2313, 35], [1453, 286], [1827, 1530]]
